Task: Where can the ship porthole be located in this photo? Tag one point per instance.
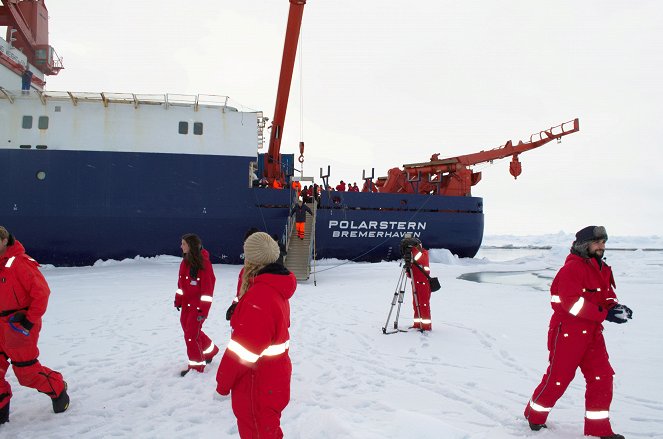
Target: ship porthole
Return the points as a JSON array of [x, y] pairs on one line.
[[41, 175]]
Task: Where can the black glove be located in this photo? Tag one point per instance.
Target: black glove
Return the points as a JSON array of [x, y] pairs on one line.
[[230, 310], [19, 323], [619, 314]]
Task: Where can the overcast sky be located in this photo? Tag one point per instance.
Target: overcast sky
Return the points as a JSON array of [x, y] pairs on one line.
[[385, 83]]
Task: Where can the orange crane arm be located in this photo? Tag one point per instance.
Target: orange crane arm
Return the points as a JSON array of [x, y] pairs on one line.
[[508, 149], [272, 168]]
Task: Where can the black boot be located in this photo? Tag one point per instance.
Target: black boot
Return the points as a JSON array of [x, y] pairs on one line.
[[184, 372], [4, 414], [61, 403], [613, 436], [537, 427]]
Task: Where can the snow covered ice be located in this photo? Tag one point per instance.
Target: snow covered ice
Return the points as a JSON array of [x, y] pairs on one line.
[[113, 332]]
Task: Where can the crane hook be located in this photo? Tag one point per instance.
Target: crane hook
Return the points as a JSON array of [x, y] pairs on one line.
[[515, 168], [301, 152]]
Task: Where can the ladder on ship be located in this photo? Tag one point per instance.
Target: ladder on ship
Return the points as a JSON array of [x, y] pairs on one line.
[[301, 252]]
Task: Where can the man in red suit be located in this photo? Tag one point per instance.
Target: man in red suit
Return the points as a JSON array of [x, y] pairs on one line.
[[421, 284], [582, 298]]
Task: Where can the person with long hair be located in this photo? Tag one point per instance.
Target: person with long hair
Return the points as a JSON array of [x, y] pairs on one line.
[[195, 289], [256, 366]]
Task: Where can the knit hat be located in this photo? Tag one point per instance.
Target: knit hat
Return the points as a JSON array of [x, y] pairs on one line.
[[591, 233], [260, 249]]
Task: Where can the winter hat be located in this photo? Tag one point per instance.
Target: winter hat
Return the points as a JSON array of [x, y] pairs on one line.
[[4, 234], [260, 249], [591, 233], [584, 236]]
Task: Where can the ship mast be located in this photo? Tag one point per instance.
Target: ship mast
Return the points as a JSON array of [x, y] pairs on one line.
[[272, 165]]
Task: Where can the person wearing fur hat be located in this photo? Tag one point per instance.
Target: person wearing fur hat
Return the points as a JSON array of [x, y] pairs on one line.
[[193, 298], [256, 368], [23, 300], [583, 297]]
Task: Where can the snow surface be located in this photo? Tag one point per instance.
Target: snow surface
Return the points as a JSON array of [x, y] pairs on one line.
[[111, 329]]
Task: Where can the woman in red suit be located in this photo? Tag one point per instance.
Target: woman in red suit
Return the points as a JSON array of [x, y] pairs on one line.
[[195, 288], [256, 366]]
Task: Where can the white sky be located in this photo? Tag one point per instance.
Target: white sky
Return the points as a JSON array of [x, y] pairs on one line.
[[387, 83], [470, 378]]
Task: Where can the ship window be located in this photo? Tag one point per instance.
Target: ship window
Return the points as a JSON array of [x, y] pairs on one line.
[[27, 122], [43, 123], [184, 128], [58, 108], [25, 146], [198, 128], [41, 147], [41, 175]]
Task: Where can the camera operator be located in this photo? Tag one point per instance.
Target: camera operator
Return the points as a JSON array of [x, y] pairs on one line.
[[416, 257]]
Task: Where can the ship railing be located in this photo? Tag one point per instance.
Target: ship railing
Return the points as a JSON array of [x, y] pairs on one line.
[[312, 248], [288, 228], [4, 93], [290, 224], [166, 100]]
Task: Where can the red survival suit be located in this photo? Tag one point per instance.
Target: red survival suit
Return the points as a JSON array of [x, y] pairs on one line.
[[422, 286], [582, 292], [194, 295], [256, 366], [23, 288]]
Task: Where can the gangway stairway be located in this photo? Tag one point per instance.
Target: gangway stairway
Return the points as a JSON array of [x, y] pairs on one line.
[[300, 251]]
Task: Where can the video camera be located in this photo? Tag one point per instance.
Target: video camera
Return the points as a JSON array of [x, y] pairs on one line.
[[406, 246]]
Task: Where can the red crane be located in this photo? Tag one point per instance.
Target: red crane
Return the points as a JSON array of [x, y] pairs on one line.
[[27, 31], [272, 165], [452, 176]]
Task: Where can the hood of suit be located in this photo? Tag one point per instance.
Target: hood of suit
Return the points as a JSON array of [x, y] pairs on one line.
[[278, 278], [13, 250]]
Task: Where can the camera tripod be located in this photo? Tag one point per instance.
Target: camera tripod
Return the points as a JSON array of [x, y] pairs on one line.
[[398, 298]]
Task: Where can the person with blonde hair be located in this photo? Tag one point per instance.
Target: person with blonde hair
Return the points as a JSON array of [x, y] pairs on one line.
[[256, 368]]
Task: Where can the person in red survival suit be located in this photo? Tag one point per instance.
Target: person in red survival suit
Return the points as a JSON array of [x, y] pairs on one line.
[[421, 274], [582, 298], [23, 301], [256, 366], [195, 288]]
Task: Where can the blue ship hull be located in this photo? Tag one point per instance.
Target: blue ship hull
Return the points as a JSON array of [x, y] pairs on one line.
[[77, 207]]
